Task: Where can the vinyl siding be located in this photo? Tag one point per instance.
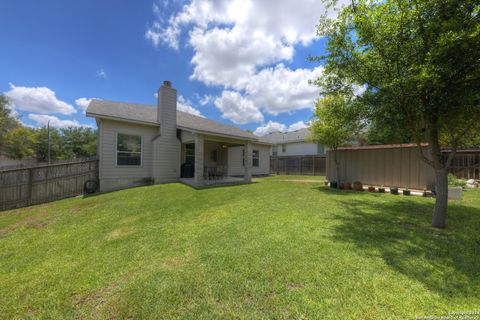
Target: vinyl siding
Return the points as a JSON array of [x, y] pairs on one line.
[[298, 149], [112, 175], [235, 162]]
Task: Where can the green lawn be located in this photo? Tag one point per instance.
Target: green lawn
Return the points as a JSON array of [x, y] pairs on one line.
[[278, 248]]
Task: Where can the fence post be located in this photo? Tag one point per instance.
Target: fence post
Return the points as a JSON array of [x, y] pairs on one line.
[[30, 186], [301, 165], [313, 165]]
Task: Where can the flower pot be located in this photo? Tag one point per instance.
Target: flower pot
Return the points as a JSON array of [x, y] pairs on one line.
[[381, 190], [371, 189], [325, 182], [333, 185], [357, 186], [406, 192], [394, 190], [348, 186]]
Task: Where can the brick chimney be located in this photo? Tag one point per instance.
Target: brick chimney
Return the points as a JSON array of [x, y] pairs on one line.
[[167, 109]]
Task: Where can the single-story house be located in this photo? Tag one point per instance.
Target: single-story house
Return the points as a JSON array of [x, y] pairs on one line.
[[140, 144], [294, 143]]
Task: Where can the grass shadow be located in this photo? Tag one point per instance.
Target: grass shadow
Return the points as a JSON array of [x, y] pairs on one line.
[[398, 230]]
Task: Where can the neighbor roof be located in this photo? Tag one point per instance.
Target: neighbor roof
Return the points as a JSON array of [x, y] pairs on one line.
[[147, 114], [285, 137]]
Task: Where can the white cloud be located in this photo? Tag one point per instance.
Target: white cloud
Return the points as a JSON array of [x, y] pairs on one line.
[[206, 99], [154, 34], [241, 45], [101, 74], [280, 89], [186, 106], [235, 53], [237, 108], [238, 36], [37, 99], [297, 126], [83, 103], [272, 126], [42, 120]]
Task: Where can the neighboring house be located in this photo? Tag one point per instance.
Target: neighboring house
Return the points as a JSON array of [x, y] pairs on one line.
[[295, 143], [139, 144]]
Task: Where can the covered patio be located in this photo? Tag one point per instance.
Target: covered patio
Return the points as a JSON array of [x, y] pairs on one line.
[[209, 160]]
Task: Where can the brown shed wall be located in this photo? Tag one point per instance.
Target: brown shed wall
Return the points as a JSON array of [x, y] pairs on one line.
[[395, 166]]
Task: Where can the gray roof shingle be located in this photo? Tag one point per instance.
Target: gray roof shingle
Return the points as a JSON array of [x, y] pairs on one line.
[[285, 137], [148, 114]]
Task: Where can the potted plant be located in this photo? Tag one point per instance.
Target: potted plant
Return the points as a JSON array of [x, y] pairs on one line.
[[333, 184], [394, 190], [348, 186], [325, 182], [381, 189], [341, 186], [406, 192], [424, 194], [357, 186], [371, 189]]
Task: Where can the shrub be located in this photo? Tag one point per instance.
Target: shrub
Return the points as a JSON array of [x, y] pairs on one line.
[[454, 181]]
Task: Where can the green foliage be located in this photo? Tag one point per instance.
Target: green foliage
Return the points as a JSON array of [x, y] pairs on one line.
[[20, 141], [41, 144], [337, 120], [419, 62], [78, 142], [7, 122], [270, 250], [454, 181], [65, 143]]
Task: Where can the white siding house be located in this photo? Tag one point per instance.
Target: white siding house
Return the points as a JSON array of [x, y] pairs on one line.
[[295, 143], [139, 144]]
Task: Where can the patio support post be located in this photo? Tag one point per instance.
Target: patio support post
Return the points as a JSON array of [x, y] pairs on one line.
[[199, 146], [248, 162]]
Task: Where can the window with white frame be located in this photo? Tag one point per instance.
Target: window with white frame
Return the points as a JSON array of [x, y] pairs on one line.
[[129, 150], [274, 150], [320, 149], [255, 158]]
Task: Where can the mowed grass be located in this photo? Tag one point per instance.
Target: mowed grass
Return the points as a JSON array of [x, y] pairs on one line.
[[277, 249]]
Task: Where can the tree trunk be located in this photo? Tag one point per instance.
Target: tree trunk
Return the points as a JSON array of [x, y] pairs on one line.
[[441, 179], [441, 202]]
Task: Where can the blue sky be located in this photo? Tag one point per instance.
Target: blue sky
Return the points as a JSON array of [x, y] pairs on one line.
[[239, 62]]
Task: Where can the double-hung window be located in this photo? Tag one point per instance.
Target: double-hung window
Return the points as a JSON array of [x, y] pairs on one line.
[[129, 150], [274, 150], [255, 158]]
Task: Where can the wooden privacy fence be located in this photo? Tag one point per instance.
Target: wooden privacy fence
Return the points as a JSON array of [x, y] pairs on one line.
[[27, 186], [465, 164], [300, 165], [396, 165]]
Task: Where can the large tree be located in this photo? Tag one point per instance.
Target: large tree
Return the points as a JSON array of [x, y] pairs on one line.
[[419, 61], [337, 122]]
